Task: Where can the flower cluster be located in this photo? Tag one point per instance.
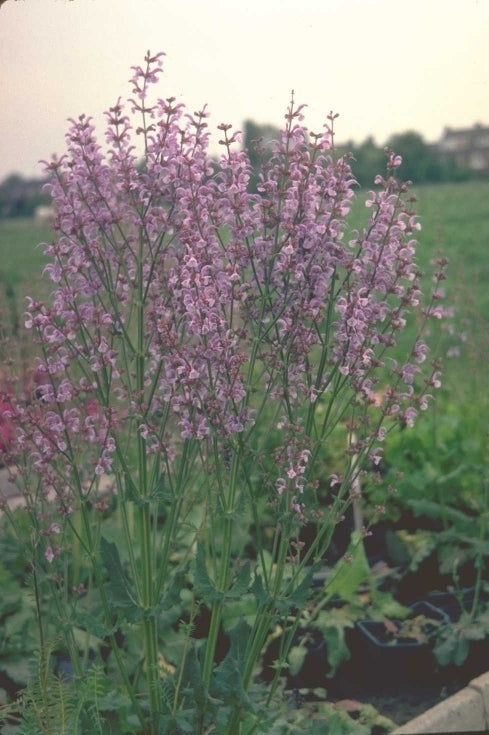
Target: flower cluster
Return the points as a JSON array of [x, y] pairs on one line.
[[185, 307], [202, 349]]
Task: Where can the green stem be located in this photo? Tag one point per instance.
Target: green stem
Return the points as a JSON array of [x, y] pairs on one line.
[[150, 628], [100, 584], [479, 563], [147, 590], [224, 570], [217, 607]]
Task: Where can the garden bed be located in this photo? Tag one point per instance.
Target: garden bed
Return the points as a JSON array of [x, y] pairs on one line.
[[412, 703], [467, 710], [437, 706]]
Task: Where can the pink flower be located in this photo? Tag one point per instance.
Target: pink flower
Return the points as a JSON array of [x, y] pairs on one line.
[[187, 310]]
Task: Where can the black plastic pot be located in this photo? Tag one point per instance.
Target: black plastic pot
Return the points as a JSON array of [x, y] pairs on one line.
[[390, 660], [455, 603]]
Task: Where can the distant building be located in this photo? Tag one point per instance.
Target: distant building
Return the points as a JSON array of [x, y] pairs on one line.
[[44, 214], [466, 147]]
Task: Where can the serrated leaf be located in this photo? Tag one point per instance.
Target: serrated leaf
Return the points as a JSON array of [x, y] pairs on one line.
[[388, 606], [432, 509], [350, 572], [85, 639], [227, 681], [180, 723], [194, 686], [204, 586], [114, 701], [121, 596], [245, 607], [301, 593], [333, 631], [258, 590], [173, 593], [93, 624], [337, 648], [339, 617], [242, 582]]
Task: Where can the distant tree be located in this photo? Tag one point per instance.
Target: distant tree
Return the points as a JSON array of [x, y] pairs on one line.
[[19, 197], [369, 159], [257, 140], [420, 160]]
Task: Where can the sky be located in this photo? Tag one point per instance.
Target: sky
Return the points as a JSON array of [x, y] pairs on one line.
[[385, 66]]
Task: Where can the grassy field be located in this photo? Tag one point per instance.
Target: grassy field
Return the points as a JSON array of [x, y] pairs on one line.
[[21, 263], [455, 221], [455, 224], [21, 258]]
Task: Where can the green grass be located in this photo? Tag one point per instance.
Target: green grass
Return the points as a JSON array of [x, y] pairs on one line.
[[21, 258], [21, 264], [455, 222]]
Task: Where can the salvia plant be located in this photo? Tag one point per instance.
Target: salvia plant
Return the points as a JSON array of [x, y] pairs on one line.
[[202, 347]]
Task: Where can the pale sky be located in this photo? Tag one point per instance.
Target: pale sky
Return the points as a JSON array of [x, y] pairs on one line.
[[386, 66]]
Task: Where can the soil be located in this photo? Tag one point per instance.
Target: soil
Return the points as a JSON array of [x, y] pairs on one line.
[[399, 706], [399, 696], [409, 702]]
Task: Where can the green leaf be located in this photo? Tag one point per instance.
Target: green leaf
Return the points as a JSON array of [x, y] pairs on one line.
[[475, 631], [396, 548], [93, 624], [340, 723], [194, 686], [204, 586], [178, 724], [371, 717], [433, 509], [297, 656], [242, 582], [173, 594], [453, 648], [114, 701], [227, 681], [300, 595], [258, 590], [121, 595], [386, 606], [245, 607], [19, 670], [332, 624], [337, 648], [350, 572]]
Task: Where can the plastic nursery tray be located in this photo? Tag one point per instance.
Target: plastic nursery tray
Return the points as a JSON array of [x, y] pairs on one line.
[[396, 660]]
